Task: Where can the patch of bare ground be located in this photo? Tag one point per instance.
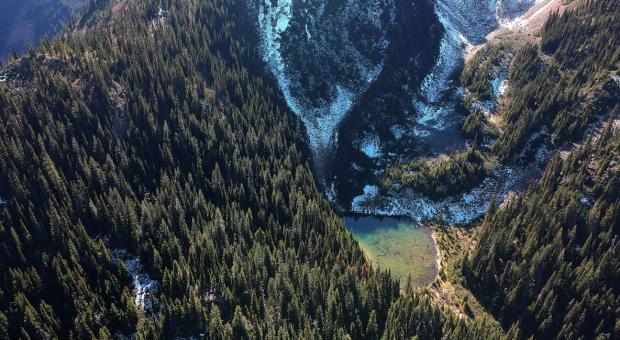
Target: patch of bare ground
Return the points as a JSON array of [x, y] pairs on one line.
[[510, 197], [453, 243], [434, 160], [496, 119], [525, 28], [117, 9]]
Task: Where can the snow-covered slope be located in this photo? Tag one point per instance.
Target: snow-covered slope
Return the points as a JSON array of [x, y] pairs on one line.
[[466, 23], [324, 55]]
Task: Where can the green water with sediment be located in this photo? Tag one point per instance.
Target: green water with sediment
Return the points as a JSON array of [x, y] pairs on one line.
[[397, 244]]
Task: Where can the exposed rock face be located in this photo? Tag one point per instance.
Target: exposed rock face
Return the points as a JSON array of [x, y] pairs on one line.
[[24, 22], [325, 55], [475, 19], [466, 23], [340, 65]]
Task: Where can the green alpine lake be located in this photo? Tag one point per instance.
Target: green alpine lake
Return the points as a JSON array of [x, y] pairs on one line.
[[397, 244]]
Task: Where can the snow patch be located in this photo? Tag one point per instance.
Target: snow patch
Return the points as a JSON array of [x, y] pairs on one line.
[[371, 147], [370, 192], [398, 131], [586, 200], [431, 116], [160, 17], [331, 193], [458, 209], [143, 284], [499, 84], [466, 23], [431, 110]]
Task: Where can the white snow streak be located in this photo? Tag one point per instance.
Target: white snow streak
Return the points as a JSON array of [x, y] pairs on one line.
[[370, 192], [143, 284], [321, 120], [457, 209], [466, 23]]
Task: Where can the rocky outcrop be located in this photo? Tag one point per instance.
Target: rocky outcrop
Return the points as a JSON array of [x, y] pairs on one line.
[[24, 22]]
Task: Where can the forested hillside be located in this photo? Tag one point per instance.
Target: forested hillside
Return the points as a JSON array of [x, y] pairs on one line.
[[152, 183], [558, 86], [460, 173], [566, 82], [548, 264]]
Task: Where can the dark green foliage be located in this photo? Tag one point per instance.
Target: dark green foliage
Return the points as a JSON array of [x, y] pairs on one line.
[[477, 127], [483, 68], [548, 264], [163, 138], [568, 84], [160, 137], [4, 327], [413, 317], [459, 173], [474, 122]]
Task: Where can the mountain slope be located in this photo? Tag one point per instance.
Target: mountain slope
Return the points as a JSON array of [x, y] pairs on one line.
[[153, 184], [565, 84], [24, 22], [546, 264]]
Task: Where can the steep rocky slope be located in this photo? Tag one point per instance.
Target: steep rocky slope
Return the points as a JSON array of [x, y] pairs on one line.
[[24, 22], [383, 93], [324, 56]]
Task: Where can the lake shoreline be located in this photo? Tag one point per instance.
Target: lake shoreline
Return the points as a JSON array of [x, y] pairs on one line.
[[399, 244]]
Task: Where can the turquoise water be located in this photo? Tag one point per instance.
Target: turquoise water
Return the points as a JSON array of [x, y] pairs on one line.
[[398, 245]]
